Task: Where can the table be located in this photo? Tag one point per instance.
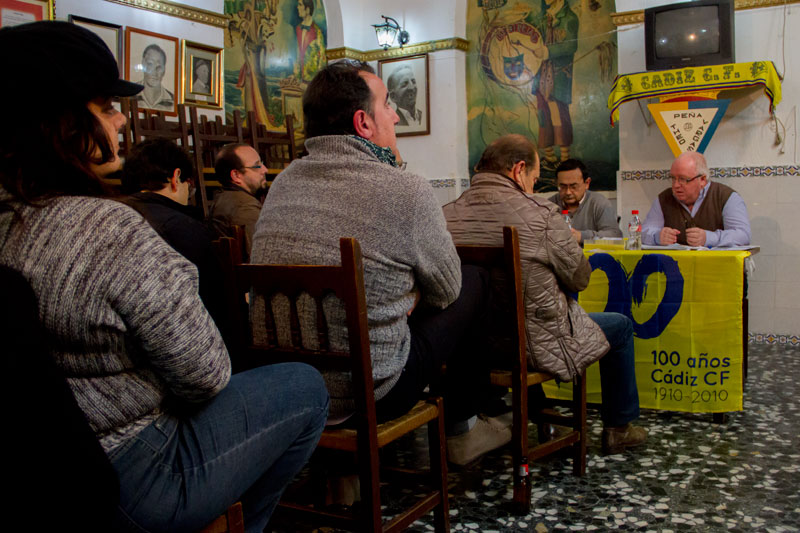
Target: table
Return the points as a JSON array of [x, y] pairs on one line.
[[689, 315]]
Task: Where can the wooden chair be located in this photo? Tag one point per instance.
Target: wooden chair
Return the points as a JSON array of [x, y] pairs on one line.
[[367, 437], [230, 522], [277, 149], [519, 378], [149, 124], [208, 137]]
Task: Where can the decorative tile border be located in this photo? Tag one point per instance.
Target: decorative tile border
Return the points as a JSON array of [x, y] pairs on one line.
[[444, 183], [773, 338], [718, 173], [464, 183], [451, 43]]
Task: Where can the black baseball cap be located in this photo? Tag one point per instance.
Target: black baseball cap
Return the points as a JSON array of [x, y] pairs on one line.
[[57, 63]]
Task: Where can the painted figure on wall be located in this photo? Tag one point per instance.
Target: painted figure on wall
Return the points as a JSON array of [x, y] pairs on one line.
[[271, 46], [535, 63], [310, 43], [558, 25]]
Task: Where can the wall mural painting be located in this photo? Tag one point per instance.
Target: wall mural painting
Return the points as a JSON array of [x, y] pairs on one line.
[[544, 68], [273, 48]]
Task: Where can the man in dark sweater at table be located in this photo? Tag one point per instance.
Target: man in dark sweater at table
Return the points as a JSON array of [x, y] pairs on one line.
[[696, 211], [591, 213], [161, 173], [423, 309]]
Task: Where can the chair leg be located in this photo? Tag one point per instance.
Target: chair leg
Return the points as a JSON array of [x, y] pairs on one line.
[[519, 437], [438, 461], [369, 479], [579, 423]]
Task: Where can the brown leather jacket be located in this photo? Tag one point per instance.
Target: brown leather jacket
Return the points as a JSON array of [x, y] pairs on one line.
[[560, 336]]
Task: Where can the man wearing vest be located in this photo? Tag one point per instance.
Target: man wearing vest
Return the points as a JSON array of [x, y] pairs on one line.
[[695, 211]]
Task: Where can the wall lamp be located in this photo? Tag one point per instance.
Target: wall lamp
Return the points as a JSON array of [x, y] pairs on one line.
[[388, 31]]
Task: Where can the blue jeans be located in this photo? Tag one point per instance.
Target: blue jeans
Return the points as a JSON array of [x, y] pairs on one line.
[[617, 373], [245, 444]]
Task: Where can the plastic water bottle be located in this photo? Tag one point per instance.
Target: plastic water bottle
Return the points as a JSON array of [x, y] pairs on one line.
[[634, 232], [567, 218]]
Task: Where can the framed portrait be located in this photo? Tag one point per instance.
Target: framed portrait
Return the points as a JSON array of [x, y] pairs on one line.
[[152, 60], [201, 75], [14, 12], [111, 34], [406, 78]]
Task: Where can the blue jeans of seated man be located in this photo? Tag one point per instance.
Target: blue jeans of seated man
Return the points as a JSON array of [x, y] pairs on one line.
[[245, 444], [617, 374], [617, 371]]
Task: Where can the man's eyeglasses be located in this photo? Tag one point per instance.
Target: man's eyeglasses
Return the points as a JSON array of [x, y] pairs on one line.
[[569, 186], [684, 181], [255, 167]]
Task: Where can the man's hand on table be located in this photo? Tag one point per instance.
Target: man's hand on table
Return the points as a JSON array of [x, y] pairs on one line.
[[576, 235], [695, 236], [669, 236]]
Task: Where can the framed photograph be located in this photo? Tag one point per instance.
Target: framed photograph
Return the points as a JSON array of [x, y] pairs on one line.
[[201, 75], [152, 59], [14, 12], [111, 34], [406, 78]]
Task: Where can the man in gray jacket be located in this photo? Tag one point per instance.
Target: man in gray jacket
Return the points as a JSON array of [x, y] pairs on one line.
[[561, 337], [423, 309]]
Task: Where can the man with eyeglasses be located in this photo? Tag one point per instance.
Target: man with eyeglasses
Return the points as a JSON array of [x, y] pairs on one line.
[[244, 178], [591, 213], [696, 211]]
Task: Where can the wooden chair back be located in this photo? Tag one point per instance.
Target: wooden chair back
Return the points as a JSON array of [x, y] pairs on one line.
[[363, 436], [277, 149], [208, 136], [507, 260], [148, 124]]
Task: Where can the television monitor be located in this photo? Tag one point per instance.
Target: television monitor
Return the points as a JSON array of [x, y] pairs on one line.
[[689, 34]]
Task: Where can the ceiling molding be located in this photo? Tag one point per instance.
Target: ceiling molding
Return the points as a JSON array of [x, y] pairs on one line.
[[453, 43], [165, 7], [637, 17]]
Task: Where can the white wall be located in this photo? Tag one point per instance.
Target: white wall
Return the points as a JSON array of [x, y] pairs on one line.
[[151, 21], [745, 140]]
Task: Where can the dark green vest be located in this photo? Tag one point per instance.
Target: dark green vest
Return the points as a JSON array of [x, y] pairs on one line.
[[708, 217]]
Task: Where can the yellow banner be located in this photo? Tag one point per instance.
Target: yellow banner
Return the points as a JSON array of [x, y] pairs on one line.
[[691, 79], [686, 308]]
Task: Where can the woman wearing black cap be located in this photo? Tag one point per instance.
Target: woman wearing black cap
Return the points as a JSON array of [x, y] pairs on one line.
[[120, 309]]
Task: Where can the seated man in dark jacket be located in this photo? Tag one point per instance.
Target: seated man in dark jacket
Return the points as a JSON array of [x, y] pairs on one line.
[[162, 173], [561, 337]]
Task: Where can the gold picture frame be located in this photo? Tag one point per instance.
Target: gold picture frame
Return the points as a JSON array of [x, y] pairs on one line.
[[201, 75], [15, 12]]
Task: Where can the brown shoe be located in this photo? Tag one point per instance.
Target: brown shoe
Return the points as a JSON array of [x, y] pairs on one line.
[[615, 440], [486, 435]]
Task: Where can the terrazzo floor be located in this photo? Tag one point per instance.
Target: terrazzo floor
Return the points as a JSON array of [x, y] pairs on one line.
[[691, 475]]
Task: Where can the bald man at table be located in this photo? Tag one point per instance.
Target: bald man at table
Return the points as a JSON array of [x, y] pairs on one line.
[[696, 211]]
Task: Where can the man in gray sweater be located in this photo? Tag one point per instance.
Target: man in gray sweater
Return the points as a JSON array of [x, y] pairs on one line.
[[423, 309], [592, 215]]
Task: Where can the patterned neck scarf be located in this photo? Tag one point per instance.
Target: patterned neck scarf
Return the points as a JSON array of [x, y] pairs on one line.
[[384, 155]]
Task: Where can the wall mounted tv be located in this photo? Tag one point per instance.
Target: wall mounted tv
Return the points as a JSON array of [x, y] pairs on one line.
[[689, 34]]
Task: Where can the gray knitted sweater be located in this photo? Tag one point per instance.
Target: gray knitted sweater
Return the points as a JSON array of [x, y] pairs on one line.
[[342, 190], [120, 309]]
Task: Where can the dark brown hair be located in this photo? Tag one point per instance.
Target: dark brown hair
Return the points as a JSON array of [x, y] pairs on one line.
[[52, 152], [334, 96]]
